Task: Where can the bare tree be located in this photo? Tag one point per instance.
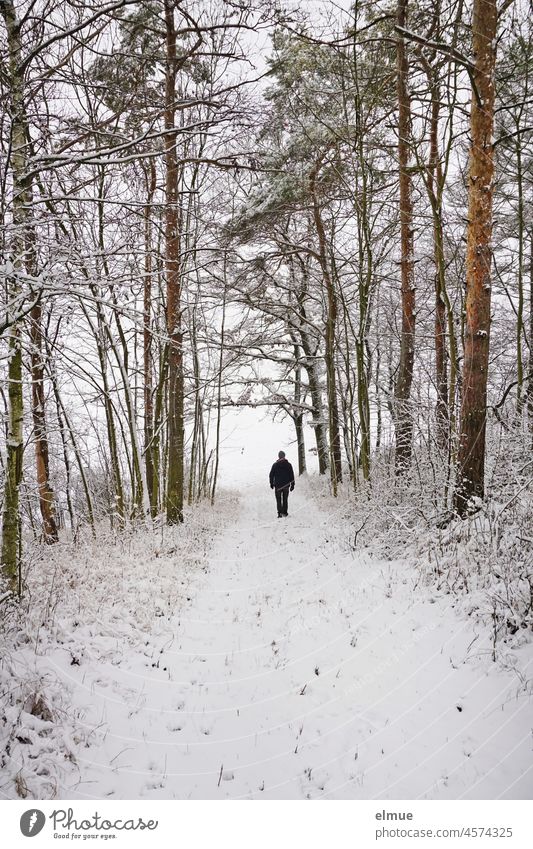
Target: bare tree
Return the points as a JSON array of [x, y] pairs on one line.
[[471, 459], [402, 391], [10, 517]]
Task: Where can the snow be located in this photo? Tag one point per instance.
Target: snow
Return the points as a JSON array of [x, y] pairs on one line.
[[245, 656]]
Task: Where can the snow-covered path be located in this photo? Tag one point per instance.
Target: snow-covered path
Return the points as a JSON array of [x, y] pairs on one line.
[[299, 669]]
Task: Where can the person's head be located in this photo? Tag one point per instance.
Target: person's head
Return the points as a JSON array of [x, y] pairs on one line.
[[281, 455]]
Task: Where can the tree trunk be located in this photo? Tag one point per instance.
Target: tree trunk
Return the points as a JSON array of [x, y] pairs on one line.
[[13, 473], [445, 335], [434, 189], [40, 432], [159, 450], [140, 499], [219, 391], [347, 395], [299, 416], [195, 468], [363, 405], [174, 499], [139, 489], [147, 341], [310, 364], [530, 361], [365, 274], [471, 455], [318, 425], [520, 280], [377, 386], [402, 406], [46, 495], [329, 356], [64, 423], [100, 335]]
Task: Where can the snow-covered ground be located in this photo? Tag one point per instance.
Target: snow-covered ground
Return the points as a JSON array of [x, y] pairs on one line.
[[249, 656]]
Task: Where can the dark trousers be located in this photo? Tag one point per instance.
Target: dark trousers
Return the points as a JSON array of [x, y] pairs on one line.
[[282, 500]]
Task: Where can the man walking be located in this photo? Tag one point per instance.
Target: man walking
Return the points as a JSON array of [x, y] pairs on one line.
[[282, 480]]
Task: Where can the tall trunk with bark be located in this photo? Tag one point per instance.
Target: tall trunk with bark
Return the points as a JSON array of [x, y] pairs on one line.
[[65, 427], [100, 336], [471, 455], [530, 362], [520, 277], [174, 495], [40, 432], [219, 391], [46, 495], [159, 445], [139, 490], [365, 275], [331, 323], [298, 415], [402, 392], [197, 456], [435, 192], [13, 472], [147, 340], [310, 364]]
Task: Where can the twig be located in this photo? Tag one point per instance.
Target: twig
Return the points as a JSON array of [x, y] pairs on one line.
[[447, 50]]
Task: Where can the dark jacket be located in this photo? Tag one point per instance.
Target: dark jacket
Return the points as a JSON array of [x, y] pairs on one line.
[[281, 474]]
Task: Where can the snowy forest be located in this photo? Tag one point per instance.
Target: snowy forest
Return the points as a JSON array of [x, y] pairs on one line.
[[315, 218]]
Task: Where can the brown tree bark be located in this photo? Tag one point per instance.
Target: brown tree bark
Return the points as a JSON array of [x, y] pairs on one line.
[[148, 388], [362, 206], [529, 393], [402, 392], [520, 277], [434, 189], [471, 455], [174, 495], [46, 495], [38, 407]]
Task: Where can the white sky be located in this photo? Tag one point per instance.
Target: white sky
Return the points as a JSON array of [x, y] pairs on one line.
[[250, 443]]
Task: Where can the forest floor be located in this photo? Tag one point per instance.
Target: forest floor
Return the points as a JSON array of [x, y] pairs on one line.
[[245, 656]]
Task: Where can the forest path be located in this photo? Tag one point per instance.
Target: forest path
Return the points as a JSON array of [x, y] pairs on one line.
[[300, 669]]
